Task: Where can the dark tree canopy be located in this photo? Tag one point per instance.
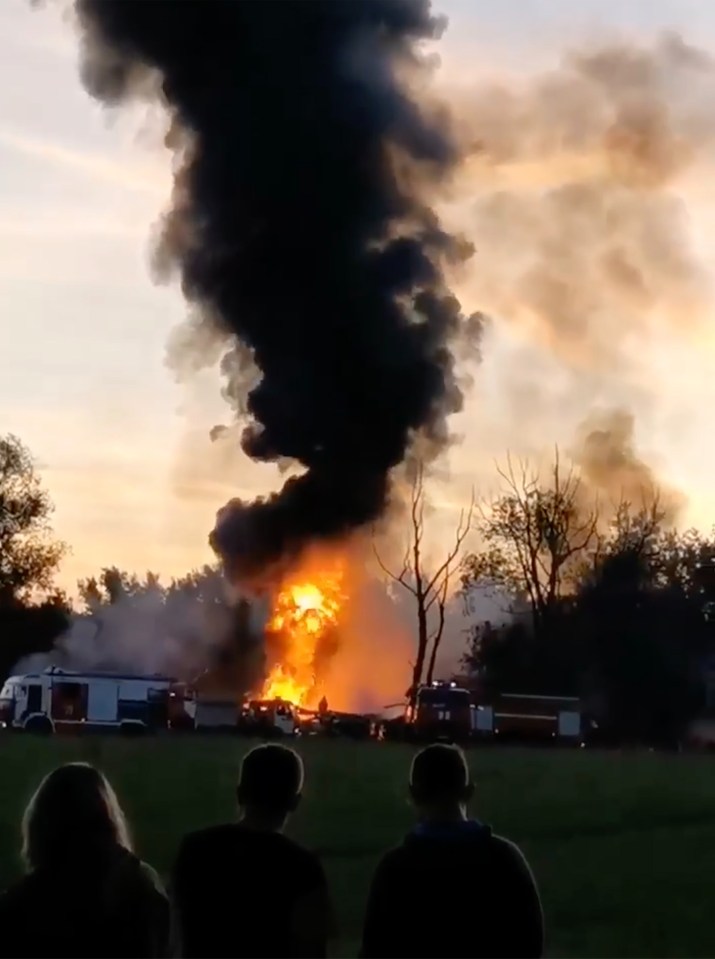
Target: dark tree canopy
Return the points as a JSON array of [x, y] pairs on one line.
[[612, 608], [29, 555]]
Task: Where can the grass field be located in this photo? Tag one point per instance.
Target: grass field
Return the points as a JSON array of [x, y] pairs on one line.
[[623, 846]]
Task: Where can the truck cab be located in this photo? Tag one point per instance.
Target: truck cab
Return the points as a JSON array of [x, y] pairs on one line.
[[271, 717], [24, 702], [443, 712]]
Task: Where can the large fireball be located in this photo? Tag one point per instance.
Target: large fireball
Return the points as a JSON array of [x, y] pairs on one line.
[[302, 630]]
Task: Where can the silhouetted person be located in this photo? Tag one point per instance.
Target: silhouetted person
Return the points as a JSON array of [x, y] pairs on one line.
[[323, 706], [85, 893], [452, 888], [245, 889]]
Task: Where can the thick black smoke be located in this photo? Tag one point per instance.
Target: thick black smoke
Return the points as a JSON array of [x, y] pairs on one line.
[[300, 234]]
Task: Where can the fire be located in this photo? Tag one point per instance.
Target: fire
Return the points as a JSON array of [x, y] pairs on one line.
[[304, 619], [333, 631]]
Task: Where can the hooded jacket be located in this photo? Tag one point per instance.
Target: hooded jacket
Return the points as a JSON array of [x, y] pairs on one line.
[[453, 890]]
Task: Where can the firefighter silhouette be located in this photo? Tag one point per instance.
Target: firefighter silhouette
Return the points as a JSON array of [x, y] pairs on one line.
[[323, 706]]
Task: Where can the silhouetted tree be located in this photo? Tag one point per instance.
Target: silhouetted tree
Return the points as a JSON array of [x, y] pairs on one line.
[[641, 616], [535, 535], [624, 625], [29, 628], [428, 583], [29, 554], [32, 615]]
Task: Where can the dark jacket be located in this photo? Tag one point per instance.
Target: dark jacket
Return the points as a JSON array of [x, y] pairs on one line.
[[456, 891], [243, 892], [110, 905]]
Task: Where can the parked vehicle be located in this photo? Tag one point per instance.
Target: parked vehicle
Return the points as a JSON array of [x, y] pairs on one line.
[[57, 700], [442, 712], [268, 717], [523, 717]]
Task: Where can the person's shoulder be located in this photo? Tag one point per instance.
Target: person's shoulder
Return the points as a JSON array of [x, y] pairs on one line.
[[211, 837], [150, 877], [508, 853], [233, 837], [291, 856], [506, 847], [304, 858]]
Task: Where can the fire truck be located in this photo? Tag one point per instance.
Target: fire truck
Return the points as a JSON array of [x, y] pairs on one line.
[[269, 717], [442, 712], [60, 700], [518, 716]]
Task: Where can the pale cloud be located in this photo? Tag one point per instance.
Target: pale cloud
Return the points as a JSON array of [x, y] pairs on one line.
[[125, 514], [142, 178], [66, 224]]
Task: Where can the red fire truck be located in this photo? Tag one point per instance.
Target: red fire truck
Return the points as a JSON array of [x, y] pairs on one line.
[[442, 713], [524, 717]]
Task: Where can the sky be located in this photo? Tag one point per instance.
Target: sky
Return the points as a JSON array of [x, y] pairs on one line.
[[122, 446]]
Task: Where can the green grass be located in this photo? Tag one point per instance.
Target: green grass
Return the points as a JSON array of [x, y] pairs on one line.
[[623, 846]]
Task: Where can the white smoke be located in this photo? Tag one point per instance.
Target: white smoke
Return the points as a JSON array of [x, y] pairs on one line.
[[143, 634]]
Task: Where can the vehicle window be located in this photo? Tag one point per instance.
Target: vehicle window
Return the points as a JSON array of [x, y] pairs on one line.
[[443, 698]]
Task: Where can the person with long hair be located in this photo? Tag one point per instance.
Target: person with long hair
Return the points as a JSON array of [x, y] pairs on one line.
[[84, 893]]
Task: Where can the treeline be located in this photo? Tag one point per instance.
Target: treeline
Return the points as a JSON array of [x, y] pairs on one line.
[[602, 601], [607, 603], [32, 612], [118, 620]]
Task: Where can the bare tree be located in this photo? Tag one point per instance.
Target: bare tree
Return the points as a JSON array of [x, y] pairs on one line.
[[536, 533], [427, 584]]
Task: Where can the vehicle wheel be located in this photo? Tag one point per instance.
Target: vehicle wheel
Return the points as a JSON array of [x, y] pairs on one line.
[[39, 726]]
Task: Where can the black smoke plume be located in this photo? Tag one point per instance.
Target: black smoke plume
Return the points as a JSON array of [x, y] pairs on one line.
[[300, 231]]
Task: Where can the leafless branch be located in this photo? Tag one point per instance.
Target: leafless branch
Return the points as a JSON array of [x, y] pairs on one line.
[[401, 577]]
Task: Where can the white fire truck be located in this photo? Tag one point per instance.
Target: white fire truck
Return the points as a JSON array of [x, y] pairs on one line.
[[57, 699]]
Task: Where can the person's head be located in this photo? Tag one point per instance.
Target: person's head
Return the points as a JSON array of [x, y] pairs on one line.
[[74, 811], [270, 785], [439, 780]]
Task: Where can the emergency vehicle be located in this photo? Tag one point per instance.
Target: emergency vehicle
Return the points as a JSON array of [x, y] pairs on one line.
[[269, 717], [57, 699], [442, 711], [531, 717]]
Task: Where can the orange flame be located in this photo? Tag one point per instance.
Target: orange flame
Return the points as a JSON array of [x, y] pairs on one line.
[[305, 613]]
